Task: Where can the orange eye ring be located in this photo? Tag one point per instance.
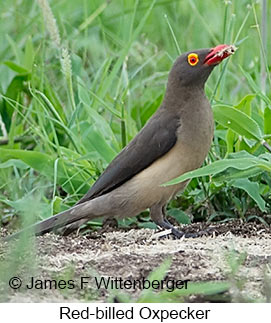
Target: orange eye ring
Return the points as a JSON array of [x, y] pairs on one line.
[[193, 59]]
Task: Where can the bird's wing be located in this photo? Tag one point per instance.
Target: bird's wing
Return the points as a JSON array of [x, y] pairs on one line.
[[154, 140]]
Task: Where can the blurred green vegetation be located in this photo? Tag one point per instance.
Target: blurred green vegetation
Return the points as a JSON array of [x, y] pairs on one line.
[[79, 79]]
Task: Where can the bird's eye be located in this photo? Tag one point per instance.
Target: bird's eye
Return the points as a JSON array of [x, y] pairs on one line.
[[193, 59]]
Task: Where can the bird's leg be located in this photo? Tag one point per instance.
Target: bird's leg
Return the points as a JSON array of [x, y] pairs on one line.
[[157, 213], [178, 234], [164, 216]]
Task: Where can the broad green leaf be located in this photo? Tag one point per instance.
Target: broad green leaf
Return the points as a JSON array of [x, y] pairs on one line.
[[41, 209], [96, 139], [267, 120], [16, 68], [53, 98], [115, 112], [83, 92], [244, 154], [147, 225], [29, 54], [67, 175], [221, 165], [13, 92], [93, 140], [221, 134], [254, 86], [230, 140], [15, 48], [204, 288], [57, 204], [34, 159], [247, 143], [97, 119], [14, 163], [193, 288], [266, 156], [74, 157], [158, 274], [238, 121], [252, 189], [234, 173], [245, 104], [179, 215]]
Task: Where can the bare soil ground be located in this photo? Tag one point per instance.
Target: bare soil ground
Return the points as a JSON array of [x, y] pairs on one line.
[[134, 254]]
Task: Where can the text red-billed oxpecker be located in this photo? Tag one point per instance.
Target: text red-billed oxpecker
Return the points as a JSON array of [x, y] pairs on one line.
[[175, 140]]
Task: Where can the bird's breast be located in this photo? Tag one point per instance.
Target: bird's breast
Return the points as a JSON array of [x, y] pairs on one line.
[[195, 133], [187, 154], [194, 137]]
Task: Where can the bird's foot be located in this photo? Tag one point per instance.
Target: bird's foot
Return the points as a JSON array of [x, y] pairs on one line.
[[179, 234], [164, 224]]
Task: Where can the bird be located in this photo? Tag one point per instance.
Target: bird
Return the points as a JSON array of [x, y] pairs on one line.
[[175, 140]]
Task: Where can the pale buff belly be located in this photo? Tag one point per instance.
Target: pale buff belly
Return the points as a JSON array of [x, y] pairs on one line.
[[145, 190]]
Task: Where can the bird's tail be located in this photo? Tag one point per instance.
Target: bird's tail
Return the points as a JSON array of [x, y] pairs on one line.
[[74, 214]]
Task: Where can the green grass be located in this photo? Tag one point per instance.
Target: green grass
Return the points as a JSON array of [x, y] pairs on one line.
[[78, 82]]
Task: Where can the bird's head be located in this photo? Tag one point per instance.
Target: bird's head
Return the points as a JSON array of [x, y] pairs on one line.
[[193, 68]]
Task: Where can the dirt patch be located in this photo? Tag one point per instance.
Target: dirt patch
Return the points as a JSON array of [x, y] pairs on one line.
[[237, 252]]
